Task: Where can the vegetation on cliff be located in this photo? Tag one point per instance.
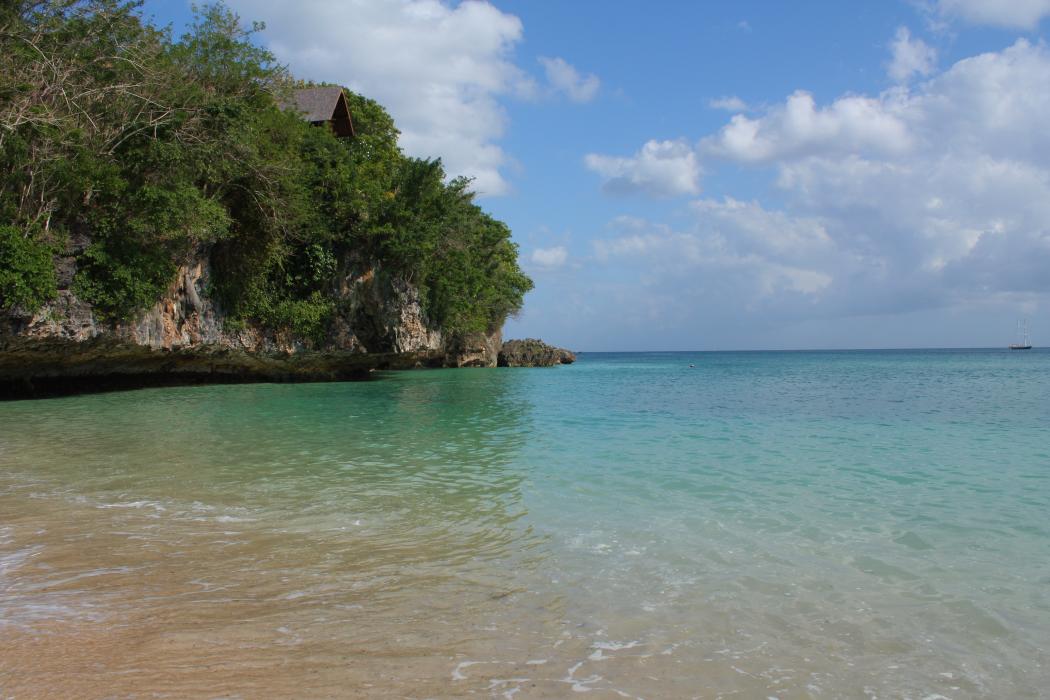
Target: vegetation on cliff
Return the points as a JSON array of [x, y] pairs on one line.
[[139, 150]]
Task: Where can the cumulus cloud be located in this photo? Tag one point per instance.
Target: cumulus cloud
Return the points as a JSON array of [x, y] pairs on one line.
[[660, 168], [550, 257], [564, 78], [1011, 14], [971, 189], [922, 198], [729, 103], [799, 127], [910, 57], [440, 70]]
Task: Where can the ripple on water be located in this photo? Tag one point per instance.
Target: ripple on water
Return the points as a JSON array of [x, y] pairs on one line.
[[775, 525]]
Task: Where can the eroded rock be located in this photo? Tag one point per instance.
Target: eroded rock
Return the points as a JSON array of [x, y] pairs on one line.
[[531, 352], [184, 338]]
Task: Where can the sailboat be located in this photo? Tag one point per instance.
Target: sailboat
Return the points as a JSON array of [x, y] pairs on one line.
[[1022, 333]]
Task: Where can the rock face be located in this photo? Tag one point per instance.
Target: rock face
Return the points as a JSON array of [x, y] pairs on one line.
[[474, 350], [533, 353], [65, 347]]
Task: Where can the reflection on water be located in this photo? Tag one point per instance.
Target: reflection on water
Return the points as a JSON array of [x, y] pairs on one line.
[[782, 525]]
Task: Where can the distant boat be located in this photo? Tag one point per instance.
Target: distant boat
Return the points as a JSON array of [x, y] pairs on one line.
[[1022, 333]]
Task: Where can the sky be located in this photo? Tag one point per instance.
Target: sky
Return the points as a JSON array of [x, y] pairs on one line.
[[725, 175]]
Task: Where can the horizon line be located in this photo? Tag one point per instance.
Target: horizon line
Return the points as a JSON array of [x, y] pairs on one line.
[[887, 349]]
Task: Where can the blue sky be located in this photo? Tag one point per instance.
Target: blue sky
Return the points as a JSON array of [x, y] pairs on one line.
[[741, 175]]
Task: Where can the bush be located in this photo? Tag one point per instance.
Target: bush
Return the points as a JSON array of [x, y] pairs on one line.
[[27, 271], [119, 281]]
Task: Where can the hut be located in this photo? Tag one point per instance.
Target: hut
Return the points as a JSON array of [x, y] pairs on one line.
[[324, 105]]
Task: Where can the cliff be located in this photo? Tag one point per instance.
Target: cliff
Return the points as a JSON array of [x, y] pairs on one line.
[[184, 219], [184, 338]]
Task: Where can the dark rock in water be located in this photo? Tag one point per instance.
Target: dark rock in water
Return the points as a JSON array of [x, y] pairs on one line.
[[533, 353]]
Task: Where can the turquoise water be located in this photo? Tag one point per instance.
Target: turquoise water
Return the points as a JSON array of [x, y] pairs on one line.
[[798, 524]]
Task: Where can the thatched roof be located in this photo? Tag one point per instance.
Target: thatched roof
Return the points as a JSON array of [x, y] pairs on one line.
[[323, 105], [317, 104]]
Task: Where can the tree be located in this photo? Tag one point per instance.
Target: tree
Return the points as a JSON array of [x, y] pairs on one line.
[[158, 150]]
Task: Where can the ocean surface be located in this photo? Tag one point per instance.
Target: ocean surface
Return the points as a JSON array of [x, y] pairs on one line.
[[869, 524]]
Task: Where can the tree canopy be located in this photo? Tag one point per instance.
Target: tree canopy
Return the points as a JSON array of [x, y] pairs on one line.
[[155, 148]]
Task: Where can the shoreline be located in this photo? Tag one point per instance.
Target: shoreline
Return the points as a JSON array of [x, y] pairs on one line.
[[50, 368], [32, 368]]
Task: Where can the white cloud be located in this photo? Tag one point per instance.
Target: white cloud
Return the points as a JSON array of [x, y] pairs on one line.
[[798, 127], [910, 57], [550, 257], [660, 168], [633, 236], [439, 69], [968, 188], [733, 252], [755, 229], [993, 102], [936, 196], [1011, 14], [564, 78], [729, 103]]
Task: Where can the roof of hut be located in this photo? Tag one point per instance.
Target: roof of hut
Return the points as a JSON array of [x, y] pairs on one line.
[[317, 104]]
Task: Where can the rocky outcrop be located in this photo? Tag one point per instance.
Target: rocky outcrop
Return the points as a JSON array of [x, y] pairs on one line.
[[384, 314], [65, 347], [31, 367], [474, 350], [533, 353]]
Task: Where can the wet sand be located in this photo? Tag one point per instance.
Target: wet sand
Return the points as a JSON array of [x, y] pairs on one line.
[[129, 602]]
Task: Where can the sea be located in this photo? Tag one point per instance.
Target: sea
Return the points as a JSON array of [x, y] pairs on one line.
[[848, 524]]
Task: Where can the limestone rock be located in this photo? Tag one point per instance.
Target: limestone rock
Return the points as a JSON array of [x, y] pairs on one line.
[[65, 347], [533, 353], [474, 350]]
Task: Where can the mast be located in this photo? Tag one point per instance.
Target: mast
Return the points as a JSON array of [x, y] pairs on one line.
[[1023, 340]]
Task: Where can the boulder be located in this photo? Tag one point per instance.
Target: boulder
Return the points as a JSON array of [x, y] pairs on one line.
[[531, 352]]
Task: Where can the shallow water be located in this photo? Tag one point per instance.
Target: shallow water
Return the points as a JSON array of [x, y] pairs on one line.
[[789, 525]]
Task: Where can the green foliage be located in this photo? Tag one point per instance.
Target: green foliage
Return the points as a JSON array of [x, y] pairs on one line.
[[119, 280], [27, 273], [462, 259], [197, 157], [305, 318]]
